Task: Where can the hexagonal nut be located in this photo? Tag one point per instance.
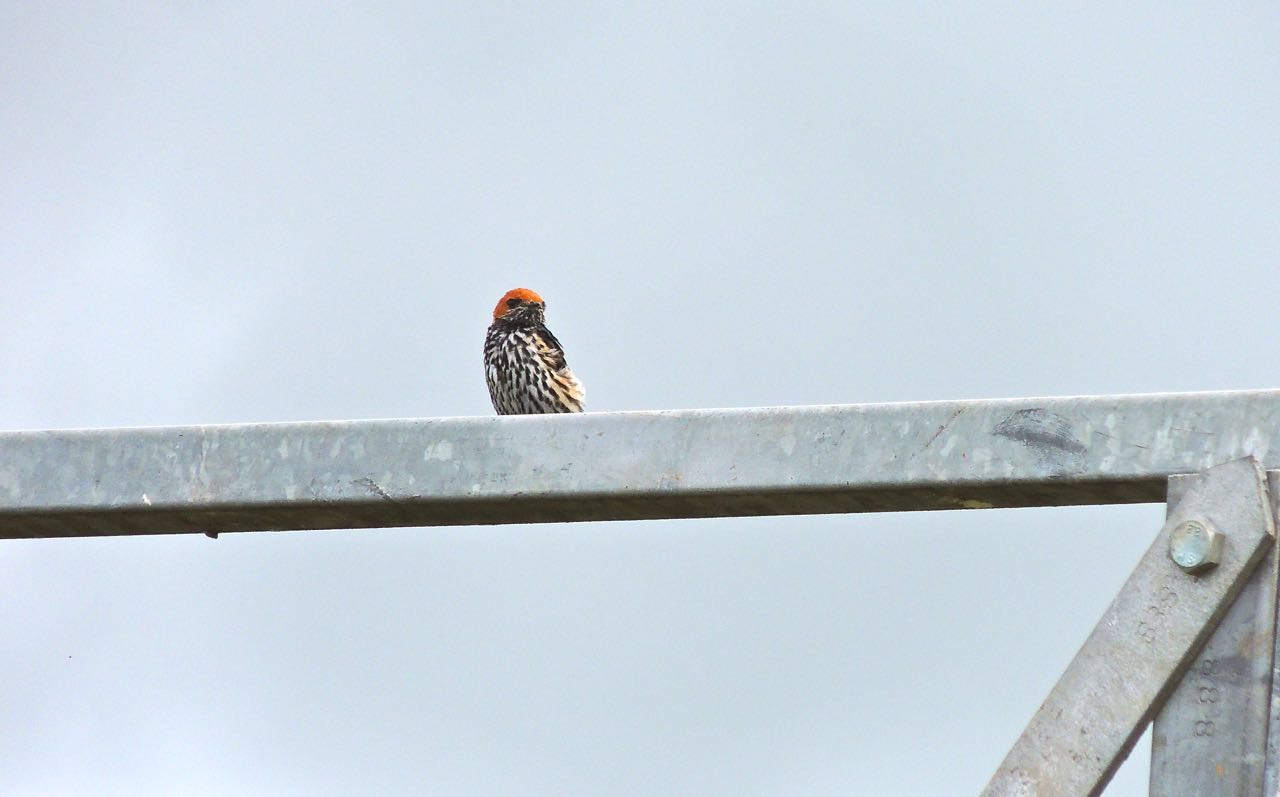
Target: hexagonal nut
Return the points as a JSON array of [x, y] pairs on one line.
[[1196, 546]]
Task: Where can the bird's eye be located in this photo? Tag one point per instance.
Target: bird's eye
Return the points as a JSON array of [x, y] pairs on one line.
[[513, 302]]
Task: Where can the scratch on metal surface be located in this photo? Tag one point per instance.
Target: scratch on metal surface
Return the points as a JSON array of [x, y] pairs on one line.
[[372, 486], [1192, 431], [1045, 433], [946, 425]]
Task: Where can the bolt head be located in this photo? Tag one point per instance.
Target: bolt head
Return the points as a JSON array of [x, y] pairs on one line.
[[1196, 546]]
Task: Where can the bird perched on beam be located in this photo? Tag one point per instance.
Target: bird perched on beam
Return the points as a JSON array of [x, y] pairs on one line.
[[524, 363]]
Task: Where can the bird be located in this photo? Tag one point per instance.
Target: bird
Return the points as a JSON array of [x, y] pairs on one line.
[[524, 363]]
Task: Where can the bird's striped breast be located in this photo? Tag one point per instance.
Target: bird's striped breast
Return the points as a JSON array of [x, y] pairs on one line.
[[527, 373]]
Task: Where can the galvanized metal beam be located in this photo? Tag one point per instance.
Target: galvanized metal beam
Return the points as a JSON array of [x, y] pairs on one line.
[[618, 466], [1211, 735], [1142, 645]]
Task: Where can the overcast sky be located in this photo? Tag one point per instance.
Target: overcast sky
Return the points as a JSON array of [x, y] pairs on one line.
[[275, 212]]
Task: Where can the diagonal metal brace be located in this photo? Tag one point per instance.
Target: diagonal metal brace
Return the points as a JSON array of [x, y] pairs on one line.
[[1142, 646]]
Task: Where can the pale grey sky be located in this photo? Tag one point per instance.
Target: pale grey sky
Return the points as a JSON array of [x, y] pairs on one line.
[[269, 212]]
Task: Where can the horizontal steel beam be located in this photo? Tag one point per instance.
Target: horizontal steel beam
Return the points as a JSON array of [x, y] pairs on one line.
[[622, 466]]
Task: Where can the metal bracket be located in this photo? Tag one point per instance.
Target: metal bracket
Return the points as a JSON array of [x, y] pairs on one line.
[[1144, 643], [1211, 737]]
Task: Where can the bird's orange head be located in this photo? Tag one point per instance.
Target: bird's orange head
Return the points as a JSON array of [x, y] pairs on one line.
[[515, 299]]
